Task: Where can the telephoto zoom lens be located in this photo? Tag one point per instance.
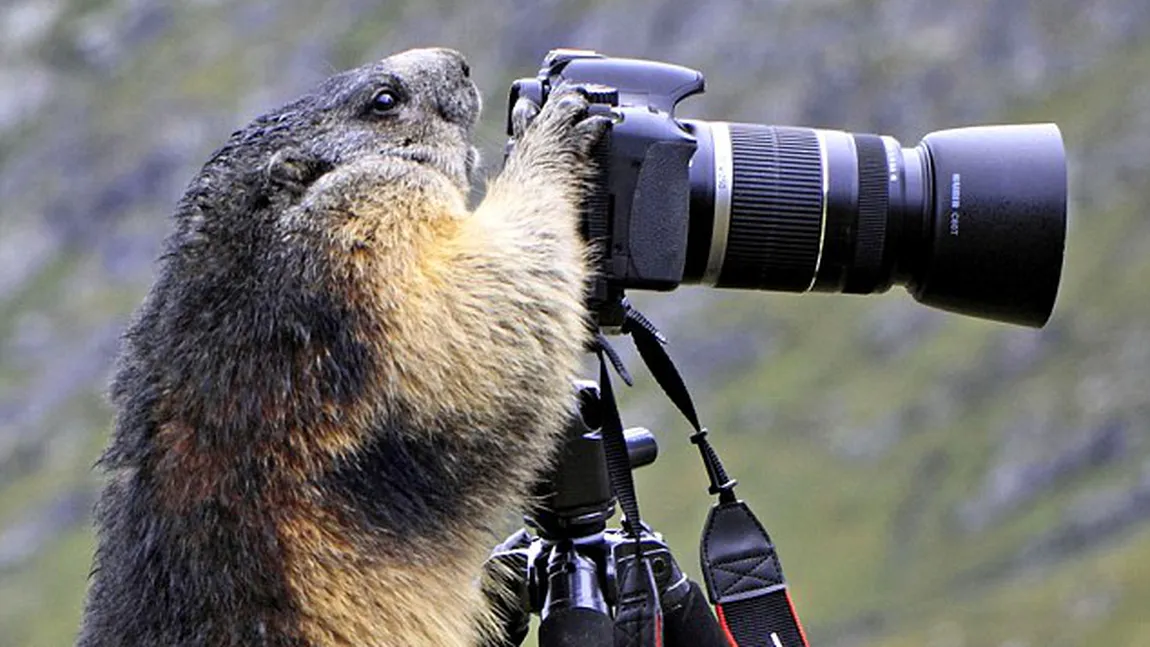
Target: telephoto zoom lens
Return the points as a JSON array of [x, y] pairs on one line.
[[972, 220]]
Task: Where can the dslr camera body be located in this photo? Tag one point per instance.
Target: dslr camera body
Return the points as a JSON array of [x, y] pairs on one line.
[[971, 220]]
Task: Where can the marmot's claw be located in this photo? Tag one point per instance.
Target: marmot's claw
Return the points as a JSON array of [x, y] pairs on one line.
[[591, 130], [522, 114], [567, 103], [563, 110]]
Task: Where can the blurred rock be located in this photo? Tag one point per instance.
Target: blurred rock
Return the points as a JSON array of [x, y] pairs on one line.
[[896, 328], [1017, 350], [1027, 467], [107, 39], [23, 91], [21, 540], [1094, 519], [24, 251], [25, 23], [868, 442]]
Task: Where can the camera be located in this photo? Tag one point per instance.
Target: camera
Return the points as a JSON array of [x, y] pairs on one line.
[[971, 220]]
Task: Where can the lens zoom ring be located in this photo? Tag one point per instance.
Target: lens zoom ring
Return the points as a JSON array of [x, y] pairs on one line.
[[874, 203], [776, 209]]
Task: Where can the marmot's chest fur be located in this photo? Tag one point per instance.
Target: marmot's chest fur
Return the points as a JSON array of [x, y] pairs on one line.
[[342, 380]]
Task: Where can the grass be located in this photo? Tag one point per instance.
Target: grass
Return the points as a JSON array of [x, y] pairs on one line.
[[39, 293], [40, 604], [40, 601], [364, 37], [1096, 600]]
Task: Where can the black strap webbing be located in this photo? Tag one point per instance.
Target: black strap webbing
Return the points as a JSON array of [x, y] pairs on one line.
[[649, 342], [614, 442], [638, 615]]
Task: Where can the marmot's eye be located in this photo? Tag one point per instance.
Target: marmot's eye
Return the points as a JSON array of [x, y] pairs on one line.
[[384, 101]]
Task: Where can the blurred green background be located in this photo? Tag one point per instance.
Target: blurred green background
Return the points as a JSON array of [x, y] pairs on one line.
[[930, 480]]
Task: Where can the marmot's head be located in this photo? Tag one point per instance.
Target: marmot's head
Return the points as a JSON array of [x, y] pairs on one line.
[[233, 272], [419, 105]]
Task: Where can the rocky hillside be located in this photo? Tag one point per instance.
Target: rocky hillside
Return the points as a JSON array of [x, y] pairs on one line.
[[930, 480]]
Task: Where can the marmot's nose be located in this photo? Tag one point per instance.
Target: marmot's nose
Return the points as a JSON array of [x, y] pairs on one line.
[[455, 62], [459, 98], [441, 78]]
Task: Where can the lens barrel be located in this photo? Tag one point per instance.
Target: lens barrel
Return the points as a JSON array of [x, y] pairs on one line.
[[972, 220]]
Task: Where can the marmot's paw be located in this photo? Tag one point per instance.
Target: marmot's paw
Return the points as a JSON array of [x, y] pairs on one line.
[[563, 126]]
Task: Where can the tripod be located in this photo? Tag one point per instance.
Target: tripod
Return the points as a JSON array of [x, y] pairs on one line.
[[584, 580]]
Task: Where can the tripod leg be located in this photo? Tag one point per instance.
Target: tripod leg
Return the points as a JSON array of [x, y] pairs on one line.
[[575, 613], [577, 627]]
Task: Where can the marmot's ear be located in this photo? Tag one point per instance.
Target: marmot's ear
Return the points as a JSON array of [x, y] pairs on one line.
[[294, 170]]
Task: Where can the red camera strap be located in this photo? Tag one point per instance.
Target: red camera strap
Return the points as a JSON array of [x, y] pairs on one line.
[[745, 582]]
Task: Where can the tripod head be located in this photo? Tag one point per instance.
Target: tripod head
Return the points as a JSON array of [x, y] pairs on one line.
[[575, 499], [576, 573]]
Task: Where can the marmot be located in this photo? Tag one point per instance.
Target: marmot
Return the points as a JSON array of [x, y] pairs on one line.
[[342, 381]]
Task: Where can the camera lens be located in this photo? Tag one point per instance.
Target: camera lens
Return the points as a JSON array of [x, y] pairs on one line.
[[972, 220]]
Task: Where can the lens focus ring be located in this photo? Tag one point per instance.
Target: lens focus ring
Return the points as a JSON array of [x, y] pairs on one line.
[[776, 209], [866, 272]]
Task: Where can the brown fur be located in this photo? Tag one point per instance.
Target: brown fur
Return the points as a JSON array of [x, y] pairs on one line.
[[343, 380]]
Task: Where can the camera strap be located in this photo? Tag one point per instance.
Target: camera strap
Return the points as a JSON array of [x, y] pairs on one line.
[[638, 614], [740, 565]]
